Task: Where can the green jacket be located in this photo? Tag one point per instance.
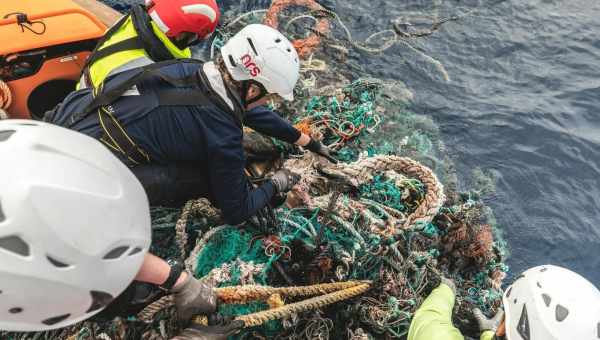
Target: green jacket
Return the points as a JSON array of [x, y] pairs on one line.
[[433, 320]]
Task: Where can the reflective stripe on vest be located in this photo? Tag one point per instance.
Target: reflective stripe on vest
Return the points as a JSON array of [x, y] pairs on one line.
[[111, 64]]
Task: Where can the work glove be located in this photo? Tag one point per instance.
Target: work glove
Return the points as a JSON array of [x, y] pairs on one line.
[[220, 332], [194, 297], [284, 180], [321, 150], [486, 324], [448, 282]]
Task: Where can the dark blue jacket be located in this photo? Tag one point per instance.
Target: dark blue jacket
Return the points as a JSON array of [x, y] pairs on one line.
[[199, 134]]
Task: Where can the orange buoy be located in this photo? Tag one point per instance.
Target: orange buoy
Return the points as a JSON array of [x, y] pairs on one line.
[[307, 45]]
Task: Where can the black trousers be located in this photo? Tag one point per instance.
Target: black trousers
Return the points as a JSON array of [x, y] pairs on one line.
[[174, 184]]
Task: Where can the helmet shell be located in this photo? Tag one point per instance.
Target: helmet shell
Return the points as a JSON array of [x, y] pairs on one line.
[[552, 303], [74, 226], [177, 16], [263, 54]]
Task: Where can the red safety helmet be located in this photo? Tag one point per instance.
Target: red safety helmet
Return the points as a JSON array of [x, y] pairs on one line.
[[177, 16]]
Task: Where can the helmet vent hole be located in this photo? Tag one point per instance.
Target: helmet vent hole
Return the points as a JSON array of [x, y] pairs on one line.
[[515, 301], [5, 135], [508, 292], [598, 326], [57, 263], [539, 285], [252, 46], [14, 244], [232, 61], [135, 251], [523, 325], [55, 320], [289, 50], [278, 40], [99, 300], [2, 217], [561, 313], [543, 270], [116, 253], [15, 310], [547, 299]]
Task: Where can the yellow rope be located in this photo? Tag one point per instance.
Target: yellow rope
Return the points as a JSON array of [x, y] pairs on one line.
[[328, 293], [257, 319]]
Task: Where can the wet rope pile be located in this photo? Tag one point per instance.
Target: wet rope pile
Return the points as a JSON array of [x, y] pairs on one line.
[[384, 218]]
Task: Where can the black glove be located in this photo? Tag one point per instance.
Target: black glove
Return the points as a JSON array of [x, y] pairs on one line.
[[284, 180], [321, 150], [194, 297], [221, 332]]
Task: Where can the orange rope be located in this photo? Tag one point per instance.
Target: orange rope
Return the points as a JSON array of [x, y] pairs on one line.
[[307, 45], [304, 126]]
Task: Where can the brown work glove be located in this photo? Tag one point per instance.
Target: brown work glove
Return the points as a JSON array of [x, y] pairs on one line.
[[194, 297], [220, 332]]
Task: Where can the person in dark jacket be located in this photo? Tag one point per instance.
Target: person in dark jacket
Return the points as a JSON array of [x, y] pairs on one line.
[[179, 126]]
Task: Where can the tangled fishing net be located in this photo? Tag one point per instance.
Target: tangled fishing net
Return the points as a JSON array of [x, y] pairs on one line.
[[387, 221]]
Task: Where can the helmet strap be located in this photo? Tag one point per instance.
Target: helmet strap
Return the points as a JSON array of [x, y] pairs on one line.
[[245, 88], [185, 40]]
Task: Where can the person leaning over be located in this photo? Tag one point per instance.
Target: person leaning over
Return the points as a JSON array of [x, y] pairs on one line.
[[179, 124]]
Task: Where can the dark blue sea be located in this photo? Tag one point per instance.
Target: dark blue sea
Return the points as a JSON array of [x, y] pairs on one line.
[[522, 103]]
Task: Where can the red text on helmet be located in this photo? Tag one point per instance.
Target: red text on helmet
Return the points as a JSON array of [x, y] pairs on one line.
[[250, 65]]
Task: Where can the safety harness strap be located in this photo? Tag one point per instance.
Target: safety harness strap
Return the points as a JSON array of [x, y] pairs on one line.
[[125, 45], [155, 48], [107, 97], [145, 39], [119, 142]]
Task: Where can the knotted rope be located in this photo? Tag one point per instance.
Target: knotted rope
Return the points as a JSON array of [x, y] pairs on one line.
[[328, 293]]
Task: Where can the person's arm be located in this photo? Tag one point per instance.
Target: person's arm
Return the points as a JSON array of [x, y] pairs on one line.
[[433, 320], [269, 123], [229, 185]]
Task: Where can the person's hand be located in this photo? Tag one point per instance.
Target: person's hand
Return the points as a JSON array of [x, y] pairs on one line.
[[193, 297], [486, 324], [220, 332], [284, 180], [448, 282], [321, 150]]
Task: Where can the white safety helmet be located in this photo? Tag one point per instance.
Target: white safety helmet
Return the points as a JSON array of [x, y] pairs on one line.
[[261, 53], [74, 226], [552, 303]]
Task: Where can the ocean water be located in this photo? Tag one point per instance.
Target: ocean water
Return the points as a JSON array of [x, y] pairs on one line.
[[522, 102]]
